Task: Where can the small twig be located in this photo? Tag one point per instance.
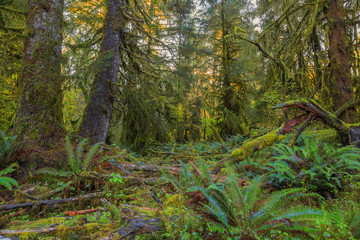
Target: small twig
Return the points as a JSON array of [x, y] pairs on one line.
[[196, 169], [156, 199], [123, 169]]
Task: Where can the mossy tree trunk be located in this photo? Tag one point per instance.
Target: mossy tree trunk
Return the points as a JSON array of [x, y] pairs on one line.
[[229, 100], [97, 114], [39, 119], [339, 59]]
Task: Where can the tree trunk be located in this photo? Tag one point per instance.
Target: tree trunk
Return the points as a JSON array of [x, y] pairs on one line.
[[339, 59], [97, 114], [39, 119]]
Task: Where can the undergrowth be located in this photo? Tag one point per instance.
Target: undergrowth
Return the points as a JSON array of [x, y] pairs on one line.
[[309, 191]]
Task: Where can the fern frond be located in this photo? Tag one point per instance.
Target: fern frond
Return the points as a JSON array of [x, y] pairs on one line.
[[79, 155], [91, 153], [8, 182], [70, 153]]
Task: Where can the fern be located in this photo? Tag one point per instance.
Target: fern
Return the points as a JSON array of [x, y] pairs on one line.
[[7, 146], [77, 162], [245, 212], [8, 182], [188, 181], [90, 155], [70, 153], [317, 166]]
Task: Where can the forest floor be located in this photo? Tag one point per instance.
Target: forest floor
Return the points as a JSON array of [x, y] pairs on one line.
[[119, 195], [309, 191]]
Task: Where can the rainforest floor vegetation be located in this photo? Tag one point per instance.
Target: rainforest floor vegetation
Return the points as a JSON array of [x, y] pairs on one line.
[[306, 191]]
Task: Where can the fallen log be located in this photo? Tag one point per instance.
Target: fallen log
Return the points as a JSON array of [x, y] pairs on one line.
[[6, 219], [134, 227], [131, 180], [349, 133], [18, 232], [51, 202], [147, 167]]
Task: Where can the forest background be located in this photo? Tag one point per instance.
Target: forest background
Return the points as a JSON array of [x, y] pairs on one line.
[[190, 70], [153, 77]]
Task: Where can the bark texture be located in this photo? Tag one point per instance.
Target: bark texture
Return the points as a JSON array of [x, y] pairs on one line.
[[39, 119], [97, 114], [339, 59]]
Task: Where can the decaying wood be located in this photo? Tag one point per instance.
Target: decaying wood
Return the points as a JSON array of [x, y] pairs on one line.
[[156, 199], [5, 219], [131, 180], [147, 167], [350, 133], [301, 129], [51, 202], [17, 232], [134, 227], [81, 212]]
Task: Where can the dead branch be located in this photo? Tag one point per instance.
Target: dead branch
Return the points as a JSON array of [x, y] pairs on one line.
[[51, 202], [16, 232], [147, 167]]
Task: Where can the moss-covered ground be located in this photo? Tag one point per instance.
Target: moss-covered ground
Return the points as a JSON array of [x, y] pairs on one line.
[[158, 184]]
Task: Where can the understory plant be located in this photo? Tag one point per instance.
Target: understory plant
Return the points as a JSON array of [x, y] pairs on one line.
[[7, 147], [317, 166], [248, 213], [8, 182], [190, 179], [78, 161]]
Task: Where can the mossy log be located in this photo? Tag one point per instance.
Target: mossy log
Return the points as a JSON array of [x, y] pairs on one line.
[[18, 232], [129, 167], [349, 133], [51, 202], [134, 227], [249, 147]]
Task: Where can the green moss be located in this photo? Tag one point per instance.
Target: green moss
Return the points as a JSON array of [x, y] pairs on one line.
[[176, 200], [251, 146], [327, 135]]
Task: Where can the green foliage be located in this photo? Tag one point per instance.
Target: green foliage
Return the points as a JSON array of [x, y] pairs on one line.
[[77, 161], [189, 180], [8, 182], [182, 223], [116, 178], [338, 224], [317, 166], [249, 214], [7, 147]]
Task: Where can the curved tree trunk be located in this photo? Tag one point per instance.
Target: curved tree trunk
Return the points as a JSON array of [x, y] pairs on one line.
[[97, 114], [39, 119]]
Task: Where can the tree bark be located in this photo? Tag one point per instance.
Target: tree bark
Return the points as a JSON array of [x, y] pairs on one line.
[[97, 114], [339, 59], [39, 119]]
